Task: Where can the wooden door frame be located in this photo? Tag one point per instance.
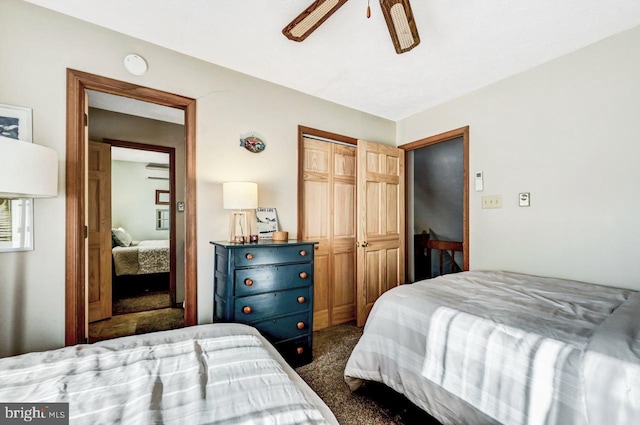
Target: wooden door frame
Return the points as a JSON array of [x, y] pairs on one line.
[[77, 83], [432, 140], [171, 151]]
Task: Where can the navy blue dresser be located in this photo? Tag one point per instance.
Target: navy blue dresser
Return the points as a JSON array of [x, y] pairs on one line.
[[268, 285]]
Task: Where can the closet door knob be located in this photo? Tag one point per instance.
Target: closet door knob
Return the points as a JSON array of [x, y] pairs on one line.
[[248, 282], [246, 309], [301, 300], [303, 253], [300, 325], [249, 256], [303, 275]]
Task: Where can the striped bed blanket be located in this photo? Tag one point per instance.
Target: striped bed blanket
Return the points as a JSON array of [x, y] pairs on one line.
[[222, 374], [506, 348]]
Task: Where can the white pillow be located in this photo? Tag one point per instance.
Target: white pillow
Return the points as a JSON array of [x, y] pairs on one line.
[[121, 237]]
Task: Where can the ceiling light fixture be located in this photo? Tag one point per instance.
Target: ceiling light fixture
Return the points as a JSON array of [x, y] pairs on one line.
[[311, 18], [402, 26]]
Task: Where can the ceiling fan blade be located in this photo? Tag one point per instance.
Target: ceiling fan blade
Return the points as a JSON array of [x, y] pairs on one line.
[[311, 18], [402, 26]]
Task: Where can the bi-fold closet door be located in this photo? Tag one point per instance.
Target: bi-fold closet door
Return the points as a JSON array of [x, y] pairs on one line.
[[352, 203]]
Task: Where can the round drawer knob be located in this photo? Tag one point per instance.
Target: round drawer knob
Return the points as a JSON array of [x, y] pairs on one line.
[[300, 325], [303, 253], [249, 256], [299, 350], [301, 300], [303, 275], [246, 309], [248, 282]]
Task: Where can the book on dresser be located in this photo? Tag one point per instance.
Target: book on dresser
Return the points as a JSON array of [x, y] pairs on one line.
[[268, 285]]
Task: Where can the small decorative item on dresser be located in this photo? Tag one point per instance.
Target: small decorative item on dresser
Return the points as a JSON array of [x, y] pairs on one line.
[[280, 236], [253, 238]]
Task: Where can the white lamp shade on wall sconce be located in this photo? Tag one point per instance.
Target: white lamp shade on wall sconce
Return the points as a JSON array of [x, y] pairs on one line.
[[27, 170], [239, 196]]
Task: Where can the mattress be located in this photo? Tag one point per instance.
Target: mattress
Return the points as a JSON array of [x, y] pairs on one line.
[[506, 348], [221, 373]]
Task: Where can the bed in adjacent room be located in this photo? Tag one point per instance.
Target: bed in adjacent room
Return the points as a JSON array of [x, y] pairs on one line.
[[141, 257], [221, 373], [506, 348]]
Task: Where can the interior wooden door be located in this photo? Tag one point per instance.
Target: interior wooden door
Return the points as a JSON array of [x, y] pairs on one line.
[[328, 217], [380, 223], [99, 231]]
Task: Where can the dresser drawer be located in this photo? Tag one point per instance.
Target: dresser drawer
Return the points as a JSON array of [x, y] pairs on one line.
[[266, 279], [284, 327], [258, 307], [254, 256], [296, 351]]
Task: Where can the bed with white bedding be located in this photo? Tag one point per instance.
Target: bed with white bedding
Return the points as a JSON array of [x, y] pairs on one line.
[[506, 348], [221, 373]]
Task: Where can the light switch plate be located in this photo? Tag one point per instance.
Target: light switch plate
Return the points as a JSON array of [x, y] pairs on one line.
[[492, 201], [525, 199]]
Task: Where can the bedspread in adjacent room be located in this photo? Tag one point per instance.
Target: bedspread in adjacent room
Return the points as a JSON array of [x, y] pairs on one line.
[[143, 257], [221, 373], [506, 348]]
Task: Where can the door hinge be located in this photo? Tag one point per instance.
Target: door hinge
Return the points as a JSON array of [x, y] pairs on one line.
[[85, 231], [86, 120]]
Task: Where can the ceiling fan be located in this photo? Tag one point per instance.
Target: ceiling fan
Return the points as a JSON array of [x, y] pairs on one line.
[[397, 14]]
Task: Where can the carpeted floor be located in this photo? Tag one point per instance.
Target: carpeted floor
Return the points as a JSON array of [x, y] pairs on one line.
[[373, 404], [143, 302], [137, 313]]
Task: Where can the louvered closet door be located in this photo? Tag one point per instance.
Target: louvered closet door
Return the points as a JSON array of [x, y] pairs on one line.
[[328, 216]]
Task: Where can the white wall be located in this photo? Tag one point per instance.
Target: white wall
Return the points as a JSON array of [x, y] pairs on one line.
[[133, 200], [228, 104], [567, 132]]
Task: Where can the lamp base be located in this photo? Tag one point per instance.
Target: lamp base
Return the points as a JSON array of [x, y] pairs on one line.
[[239, 229]]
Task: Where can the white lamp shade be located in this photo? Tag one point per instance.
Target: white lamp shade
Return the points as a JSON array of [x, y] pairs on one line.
[[27, 170], [239, 195]]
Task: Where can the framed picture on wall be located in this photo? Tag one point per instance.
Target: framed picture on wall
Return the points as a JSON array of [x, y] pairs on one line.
[[16, 215], [267, 222], [163, 197]]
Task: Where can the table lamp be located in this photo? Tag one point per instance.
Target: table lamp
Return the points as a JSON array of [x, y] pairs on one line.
[[239, 196]]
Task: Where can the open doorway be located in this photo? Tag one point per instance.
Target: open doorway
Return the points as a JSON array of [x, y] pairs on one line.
[[78, 194], [437, 205], [145, 232]]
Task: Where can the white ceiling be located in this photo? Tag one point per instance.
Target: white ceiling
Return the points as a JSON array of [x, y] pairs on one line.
[[465, 44], [138, 155], [135, 107]]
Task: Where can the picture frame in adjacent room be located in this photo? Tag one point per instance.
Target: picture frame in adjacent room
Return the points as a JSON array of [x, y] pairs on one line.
[[163, 197], [267, 219], [16, 215]]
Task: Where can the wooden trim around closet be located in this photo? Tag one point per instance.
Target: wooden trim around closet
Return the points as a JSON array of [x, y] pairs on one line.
[[443, 137], [77, 83]]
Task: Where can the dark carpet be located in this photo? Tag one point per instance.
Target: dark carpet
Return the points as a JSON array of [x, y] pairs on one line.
[[373, 403], [142, 302]]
